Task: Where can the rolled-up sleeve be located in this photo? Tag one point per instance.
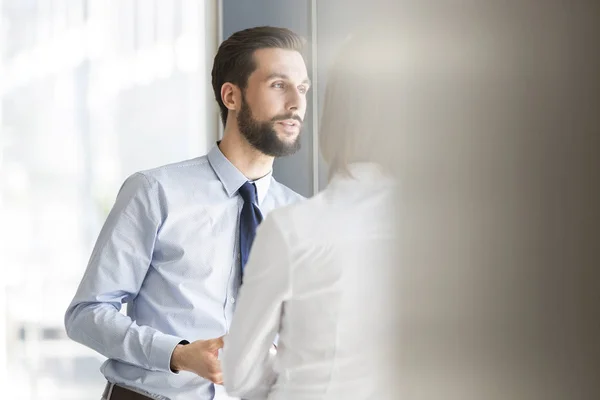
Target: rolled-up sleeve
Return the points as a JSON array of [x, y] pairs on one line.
[[115, 273], [247, 363]]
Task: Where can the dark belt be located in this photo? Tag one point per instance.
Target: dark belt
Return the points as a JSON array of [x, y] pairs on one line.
[[120, 393]]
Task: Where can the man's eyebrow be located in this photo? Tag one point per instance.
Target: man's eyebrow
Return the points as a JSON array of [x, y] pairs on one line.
[[274, 75]]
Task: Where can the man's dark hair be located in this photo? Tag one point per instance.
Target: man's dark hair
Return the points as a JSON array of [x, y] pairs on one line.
[[234, 61]]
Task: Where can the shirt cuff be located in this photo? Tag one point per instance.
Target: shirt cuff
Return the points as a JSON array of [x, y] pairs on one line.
[[162, 350]]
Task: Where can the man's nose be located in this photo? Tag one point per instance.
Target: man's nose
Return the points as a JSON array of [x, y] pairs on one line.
[[295, 101]]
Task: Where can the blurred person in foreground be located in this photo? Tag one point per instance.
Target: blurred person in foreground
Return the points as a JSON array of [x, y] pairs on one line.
[[319, 271], [176, 241], [496, 135]]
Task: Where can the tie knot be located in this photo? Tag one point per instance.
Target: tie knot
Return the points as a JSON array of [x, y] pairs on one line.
[[248, 192]]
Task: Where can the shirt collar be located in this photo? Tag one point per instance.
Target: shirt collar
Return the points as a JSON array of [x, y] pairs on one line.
[[232, 178], [262, 187]]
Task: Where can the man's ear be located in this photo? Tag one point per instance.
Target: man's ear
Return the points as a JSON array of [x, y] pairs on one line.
[[231, 96]]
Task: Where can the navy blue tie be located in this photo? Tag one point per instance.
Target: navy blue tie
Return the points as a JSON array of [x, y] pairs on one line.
[[249, 220]]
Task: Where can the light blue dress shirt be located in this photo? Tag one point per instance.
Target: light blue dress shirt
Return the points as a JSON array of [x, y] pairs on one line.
[[169, 249]]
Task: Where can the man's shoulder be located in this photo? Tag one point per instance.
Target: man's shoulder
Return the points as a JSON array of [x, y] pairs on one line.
[[193, 168], [283, 195], [197, 163]]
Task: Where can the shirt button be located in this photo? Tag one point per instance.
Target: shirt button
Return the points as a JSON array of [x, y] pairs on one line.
[[231, 300]]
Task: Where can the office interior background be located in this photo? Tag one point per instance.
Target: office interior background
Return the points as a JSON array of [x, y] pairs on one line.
[[94, 90]]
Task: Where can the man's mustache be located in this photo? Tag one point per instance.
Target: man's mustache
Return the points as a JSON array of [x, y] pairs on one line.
[[284, 117]]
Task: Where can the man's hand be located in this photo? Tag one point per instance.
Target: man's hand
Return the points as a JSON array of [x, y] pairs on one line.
[[199, 357]]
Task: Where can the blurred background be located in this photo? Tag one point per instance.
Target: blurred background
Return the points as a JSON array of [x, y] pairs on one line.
[[499, 150]]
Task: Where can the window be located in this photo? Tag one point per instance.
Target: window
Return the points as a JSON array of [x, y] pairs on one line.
[[79, 116]]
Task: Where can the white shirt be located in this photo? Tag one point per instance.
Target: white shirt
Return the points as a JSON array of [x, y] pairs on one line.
[[317, 276]]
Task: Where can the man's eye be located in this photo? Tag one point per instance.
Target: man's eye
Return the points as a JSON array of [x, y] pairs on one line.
[[278, 85], [303, 89]]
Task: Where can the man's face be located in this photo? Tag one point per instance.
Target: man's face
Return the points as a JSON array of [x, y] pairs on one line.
[[274, 102]]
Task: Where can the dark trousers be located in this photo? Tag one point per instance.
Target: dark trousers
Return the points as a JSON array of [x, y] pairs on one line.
[[115, 392]]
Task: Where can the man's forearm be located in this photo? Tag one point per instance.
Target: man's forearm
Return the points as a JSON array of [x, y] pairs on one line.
[[104, 329]]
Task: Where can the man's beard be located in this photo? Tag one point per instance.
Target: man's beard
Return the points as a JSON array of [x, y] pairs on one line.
[[262, 135]]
